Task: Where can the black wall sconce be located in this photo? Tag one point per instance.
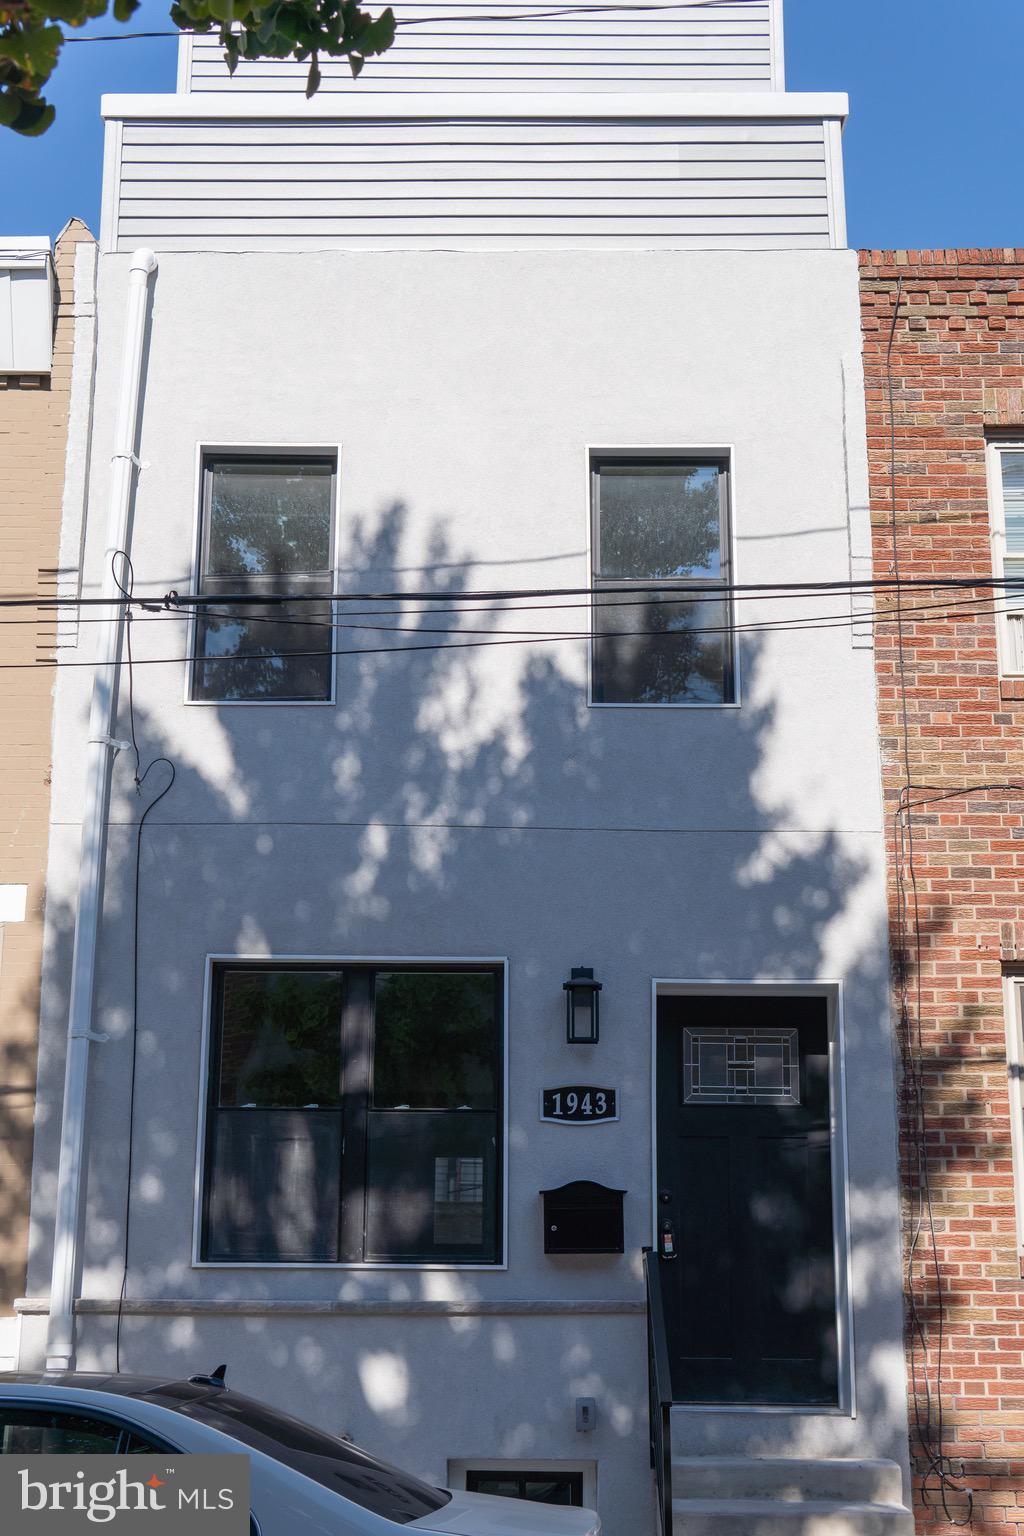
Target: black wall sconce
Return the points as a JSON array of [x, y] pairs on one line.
[[582, 1006]]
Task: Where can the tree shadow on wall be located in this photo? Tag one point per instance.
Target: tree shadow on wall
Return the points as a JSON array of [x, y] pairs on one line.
[[454, 802]]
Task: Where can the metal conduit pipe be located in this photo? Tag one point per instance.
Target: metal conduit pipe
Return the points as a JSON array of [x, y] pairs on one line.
[[101, 751]]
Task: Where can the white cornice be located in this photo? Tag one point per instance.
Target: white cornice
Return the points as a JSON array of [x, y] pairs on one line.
[[693, 106]]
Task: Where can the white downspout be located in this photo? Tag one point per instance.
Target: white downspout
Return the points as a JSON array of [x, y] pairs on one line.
[[101, 752]]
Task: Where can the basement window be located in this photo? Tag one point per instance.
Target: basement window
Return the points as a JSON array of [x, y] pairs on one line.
[[353, 1115], [662, 611], [534, 1487], [266, 538]]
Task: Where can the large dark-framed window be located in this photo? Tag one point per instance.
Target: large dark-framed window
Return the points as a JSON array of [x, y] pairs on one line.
[[660, 523], [266, 530], [354, 1113]]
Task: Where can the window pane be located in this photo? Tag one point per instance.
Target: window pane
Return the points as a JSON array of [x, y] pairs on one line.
[[1014, 569], [134, 1445], [1013, 501], [261, 651], [435, 1041], [659, 520], [280, 1036], [273, 1183], [431, 1186], [666, 651], [504, 1485], [549, 1490], [268, 519], [28, 1432], [537, 1487], [741, 1066]]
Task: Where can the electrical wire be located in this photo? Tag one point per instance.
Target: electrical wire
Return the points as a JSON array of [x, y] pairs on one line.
[[538, 637], [140, 777], [681, 586], [628, 6]]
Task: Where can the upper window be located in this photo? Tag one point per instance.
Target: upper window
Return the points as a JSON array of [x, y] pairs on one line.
[[353, 1115], [1010, 549], [266, 531], [661, 524]]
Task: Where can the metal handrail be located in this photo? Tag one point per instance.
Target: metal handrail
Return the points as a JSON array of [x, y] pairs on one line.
[[659, 1388]]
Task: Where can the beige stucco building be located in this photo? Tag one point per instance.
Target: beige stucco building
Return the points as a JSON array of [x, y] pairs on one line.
[[43, 299]]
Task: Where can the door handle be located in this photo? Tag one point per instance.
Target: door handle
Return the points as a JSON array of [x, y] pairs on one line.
[[667, 1239]]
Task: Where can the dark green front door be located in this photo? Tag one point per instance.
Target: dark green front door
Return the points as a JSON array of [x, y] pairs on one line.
[[745, 1189]]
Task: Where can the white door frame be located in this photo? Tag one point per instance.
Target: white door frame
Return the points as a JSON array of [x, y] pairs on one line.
[[832, 992]]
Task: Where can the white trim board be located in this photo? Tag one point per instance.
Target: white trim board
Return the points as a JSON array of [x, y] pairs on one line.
[[693, 106], [832, 992]]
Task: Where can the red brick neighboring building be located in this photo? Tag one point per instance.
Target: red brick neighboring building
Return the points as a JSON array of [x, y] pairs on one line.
[[951, 700]]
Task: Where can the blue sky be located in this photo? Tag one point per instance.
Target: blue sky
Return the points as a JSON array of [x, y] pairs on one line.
[[932, 145]]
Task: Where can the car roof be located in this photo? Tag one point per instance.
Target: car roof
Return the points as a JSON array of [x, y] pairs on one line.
[[91, 1381]]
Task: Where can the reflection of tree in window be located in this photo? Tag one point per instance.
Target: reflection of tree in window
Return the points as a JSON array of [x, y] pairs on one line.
[[660, 521], [280, 1042], [434, 1041], [269, 520], [267, 533]]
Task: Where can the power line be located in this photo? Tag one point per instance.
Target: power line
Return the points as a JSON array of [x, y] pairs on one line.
[[985, 604], [628, 6], [538, 637], [678, 587]]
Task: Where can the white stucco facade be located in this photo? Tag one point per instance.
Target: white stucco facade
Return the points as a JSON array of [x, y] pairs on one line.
[[463, 283], [472, 803]]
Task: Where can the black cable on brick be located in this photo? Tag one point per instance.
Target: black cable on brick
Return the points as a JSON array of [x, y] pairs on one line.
[[931, 1431]]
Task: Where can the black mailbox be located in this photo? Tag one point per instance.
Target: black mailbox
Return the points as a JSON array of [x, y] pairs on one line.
[[583, 1217]]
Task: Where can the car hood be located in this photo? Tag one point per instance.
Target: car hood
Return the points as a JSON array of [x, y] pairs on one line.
[[484, 1514]]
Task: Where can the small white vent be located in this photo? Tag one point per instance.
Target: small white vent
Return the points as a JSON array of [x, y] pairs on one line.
[[26, 305]]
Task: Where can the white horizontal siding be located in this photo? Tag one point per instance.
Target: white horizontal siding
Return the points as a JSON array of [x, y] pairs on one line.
[[285, 184], [507, 46]]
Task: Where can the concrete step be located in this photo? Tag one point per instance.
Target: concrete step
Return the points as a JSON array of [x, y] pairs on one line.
[[850, 1479], [777, 1517]]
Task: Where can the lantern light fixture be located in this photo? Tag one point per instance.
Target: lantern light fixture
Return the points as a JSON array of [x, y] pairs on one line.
[[582, 1007]]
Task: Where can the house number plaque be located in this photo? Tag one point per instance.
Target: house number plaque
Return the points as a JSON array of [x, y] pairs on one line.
[[579, 1104]]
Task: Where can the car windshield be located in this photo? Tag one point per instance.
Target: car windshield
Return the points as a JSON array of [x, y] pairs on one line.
[[337, 1464]]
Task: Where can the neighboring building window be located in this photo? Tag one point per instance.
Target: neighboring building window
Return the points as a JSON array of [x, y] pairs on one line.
[[353, 1115], [266, 531], [1015, 1072], [1010, 549], [537, 1487], [661, 522]]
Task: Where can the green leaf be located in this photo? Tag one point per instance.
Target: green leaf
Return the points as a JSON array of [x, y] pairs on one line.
[[299, 29], [71, 11], [33, 49], [29, 118], [379, 35]]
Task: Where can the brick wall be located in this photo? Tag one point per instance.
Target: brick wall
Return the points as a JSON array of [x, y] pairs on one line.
[[33, 429], [958, 372]]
